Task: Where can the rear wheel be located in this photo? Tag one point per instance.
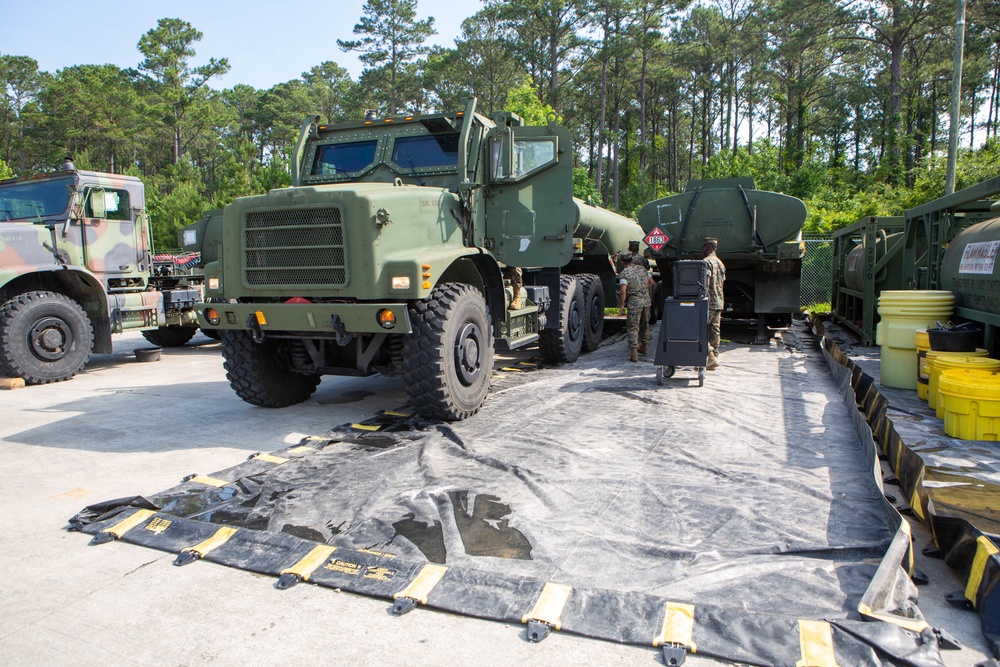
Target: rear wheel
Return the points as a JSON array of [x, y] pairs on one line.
[[593, 308], [172, 335], [259, 372], [563, 343], [44, 337], [448, 359]]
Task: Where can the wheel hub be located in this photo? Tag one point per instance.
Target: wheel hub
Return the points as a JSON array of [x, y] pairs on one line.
[[50, 338], [469, 353], [575, 322]]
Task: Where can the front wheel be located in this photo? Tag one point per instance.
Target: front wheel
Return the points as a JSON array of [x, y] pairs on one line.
[[259, 372], [448, 359], [563, 344], [44, 337]]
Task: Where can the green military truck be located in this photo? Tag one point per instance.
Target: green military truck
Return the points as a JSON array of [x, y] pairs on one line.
[[76, 266], [393, 251]]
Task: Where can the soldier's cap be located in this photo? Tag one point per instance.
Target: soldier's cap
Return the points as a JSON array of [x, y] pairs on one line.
[[626, 256], [633, 245], [711, 240]]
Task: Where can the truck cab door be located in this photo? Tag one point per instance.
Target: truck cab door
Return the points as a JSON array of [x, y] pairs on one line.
[[530, 212], [111, 240]]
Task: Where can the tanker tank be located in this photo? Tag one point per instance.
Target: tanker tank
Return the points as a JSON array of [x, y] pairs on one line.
[[203, 236], [970, 268], [760, 242]]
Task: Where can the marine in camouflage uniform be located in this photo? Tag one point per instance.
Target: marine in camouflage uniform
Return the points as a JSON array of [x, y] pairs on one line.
[[716, 302], [516, 278], [634, 283], [637, 257]]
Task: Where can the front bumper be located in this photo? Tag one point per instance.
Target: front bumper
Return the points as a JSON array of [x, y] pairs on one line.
[[321, 318]]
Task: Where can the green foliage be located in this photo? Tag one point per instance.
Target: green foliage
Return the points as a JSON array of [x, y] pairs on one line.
[[583, 186], [523, 100], [174, 200], [5, 171]]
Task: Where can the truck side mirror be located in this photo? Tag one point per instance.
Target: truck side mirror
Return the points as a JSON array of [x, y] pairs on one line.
[[98, 205], [501, 155]]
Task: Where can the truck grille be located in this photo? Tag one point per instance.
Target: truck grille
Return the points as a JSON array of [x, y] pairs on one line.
[[295, 247]]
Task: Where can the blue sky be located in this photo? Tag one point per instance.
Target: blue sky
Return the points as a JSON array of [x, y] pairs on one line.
[[266, 42]]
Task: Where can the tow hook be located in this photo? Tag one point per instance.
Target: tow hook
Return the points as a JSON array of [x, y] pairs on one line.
[[254, 326], [340, 331]]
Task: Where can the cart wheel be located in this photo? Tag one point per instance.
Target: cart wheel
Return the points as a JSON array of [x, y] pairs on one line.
[[659, 375], [668, 371], [701, 377]]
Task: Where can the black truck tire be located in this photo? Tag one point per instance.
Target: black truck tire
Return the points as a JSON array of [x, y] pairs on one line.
[[44, 337], [563, 343], [593, 309], [173, 335], [258, 373], [448, 359]]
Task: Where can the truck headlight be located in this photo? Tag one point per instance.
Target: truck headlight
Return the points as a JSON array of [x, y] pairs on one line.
[[401, 282], [213, 284]]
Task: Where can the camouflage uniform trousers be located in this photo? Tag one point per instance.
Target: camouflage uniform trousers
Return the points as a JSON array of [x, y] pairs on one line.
[[637, 326], [714, 329]]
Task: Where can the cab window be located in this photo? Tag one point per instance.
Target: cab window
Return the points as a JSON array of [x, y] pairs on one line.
[[344, 158], [532, 154], [116, 204], [435, 150]]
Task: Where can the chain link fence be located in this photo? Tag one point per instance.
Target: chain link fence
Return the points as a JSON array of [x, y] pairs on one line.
[[817, 270]]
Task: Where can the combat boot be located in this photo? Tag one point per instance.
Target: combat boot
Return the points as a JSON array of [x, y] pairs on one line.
[[635, 355], [515, 301], [643, 347], [713, 361]]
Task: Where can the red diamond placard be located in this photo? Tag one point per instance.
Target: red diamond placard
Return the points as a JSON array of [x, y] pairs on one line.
[[656, 239]]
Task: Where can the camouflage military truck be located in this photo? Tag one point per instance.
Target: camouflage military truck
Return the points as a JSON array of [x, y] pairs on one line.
[[75, 267], [393, 251]]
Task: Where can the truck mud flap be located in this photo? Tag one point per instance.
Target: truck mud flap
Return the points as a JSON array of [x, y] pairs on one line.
[[731, 529], [949, 484]]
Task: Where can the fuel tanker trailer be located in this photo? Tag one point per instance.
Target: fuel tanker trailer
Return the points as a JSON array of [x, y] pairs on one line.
[[760, 242], [410, 246]]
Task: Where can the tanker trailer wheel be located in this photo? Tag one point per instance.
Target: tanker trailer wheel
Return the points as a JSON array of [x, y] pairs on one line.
[[44, 337], [563, 344], [259, 372], [173, 335], [448, 359], [593, 309]]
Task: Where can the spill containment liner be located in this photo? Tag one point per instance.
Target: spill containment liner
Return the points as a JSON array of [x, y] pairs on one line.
[[952, 485], [742, 520]]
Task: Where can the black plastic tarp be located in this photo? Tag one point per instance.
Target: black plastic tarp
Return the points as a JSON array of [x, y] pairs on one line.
[[591, 499]]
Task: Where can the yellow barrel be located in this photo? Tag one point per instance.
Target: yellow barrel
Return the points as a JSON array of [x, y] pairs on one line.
[[971, 400], [923, 344], [902, 312], [938, 364], [933, 375]]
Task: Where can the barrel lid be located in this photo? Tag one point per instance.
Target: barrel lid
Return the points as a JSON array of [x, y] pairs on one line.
[[970, 383], [935, 354], [977, 363]]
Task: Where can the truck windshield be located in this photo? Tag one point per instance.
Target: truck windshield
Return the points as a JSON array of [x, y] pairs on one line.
[[343, 158], [19, 201], [436, 150]]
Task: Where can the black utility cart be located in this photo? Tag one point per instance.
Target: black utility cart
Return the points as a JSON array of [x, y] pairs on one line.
[[683, 339]]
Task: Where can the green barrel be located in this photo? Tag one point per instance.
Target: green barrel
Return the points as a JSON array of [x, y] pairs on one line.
[[971, 268]]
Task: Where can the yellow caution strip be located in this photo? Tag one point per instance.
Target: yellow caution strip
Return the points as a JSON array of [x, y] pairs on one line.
[[549, 606], [312, 561], [423, 583], [271, 458], [816, 644], [366, 427], [128, 524], [984, 549], [209, 481], [678, 626], [913, 626], [394, 413], [220, 537], [918, 510], [301, 449], [527, 363], [512, 369]]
